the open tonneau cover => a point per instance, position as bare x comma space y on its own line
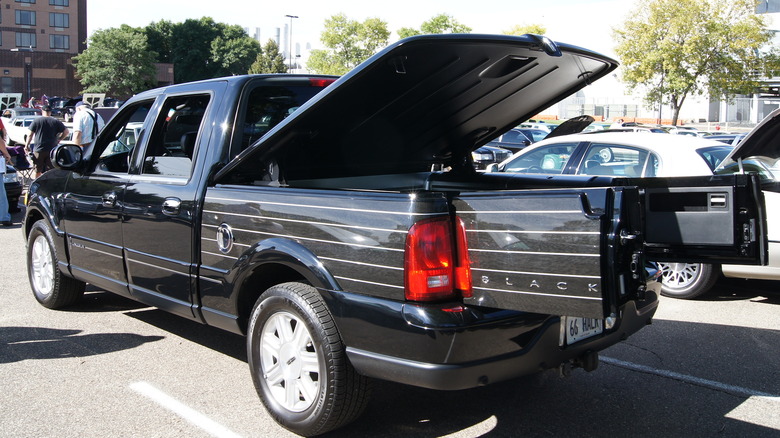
427, 100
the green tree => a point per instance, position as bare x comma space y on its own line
441, 23
269, 60
234, 51
348, 43
673, 49
117, 62
202, 48
518, 29
159, 35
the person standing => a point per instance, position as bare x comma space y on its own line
86, 124
5, 215
46, 132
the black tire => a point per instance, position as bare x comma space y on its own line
687, 280
304, 378
51, 287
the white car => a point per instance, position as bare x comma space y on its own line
19, 128
633, 154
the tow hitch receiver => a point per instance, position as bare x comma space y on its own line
589, 361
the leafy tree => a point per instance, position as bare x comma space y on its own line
518, 29
117, 62
269, 60
348, 43
234, 51
673, 49
441, 23
202, 48
160, 36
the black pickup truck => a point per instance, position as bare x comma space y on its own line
340, 225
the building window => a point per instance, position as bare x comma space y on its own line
24, 39
58, 20
59, 3
26, 18
59, 42
25, 1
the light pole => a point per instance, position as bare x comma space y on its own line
290, 54
27, 68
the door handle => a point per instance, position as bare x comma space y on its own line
171, 206
109, 199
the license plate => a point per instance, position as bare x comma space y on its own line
576, 329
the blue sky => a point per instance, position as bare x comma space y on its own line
586, 23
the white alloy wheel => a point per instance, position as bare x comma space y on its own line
289, 362
687, 280
42, 266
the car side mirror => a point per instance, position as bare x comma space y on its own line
492, 167
67, 157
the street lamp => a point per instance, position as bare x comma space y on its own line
27, 68
290, 42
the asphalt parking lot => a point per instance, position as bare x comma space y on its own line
112, 367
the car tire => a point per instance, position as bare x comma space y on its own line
687, 280
299, 364
51, 287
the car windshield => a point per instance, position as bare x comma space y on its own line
767, 169
714, 155
551, 159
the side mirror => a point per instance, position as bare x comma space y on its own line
492, 167
67, 157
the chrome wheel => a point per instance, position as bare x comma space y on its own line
679, 275
687, 280
42, 266
289, 362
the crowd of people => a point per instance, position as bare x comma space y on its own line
46, 132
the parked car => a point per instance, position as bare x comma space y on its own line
732, 139
513, 140
486, 155
19, 129
534, 134
9, 114
632, 155
759, 154
13, 188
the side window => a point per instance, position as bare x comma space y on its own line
610, 159
171, 145
117, 144
549, 159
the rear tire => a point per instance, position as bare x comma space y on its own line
51, 287
299, 364
687, 280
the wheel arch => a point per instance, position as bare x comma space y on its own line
276, 261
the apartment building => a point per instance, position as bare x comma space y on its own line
38, 38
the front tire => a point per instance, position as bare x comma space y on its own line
51, 287
687, 280
299, 364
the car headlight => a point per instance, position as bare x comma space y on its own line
10, 177
476, 156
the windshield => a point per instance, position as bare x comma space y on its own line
714, 155
765, 168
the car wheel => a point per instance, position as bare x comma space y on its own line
687, 280
299, 364
51, 287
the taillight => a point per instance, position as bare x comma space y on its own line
436, 261
321, 82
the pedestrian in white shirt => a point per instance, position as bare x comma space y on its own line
86, 125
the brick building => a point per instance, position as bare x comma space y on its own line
38, 39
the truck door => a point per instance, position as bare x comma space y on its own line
93, 204
579, 252
161, 200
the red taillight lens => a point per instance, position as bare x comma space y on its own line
318, 82
434, 269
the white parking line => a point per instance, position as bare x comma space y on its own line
738, 390
191, 415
